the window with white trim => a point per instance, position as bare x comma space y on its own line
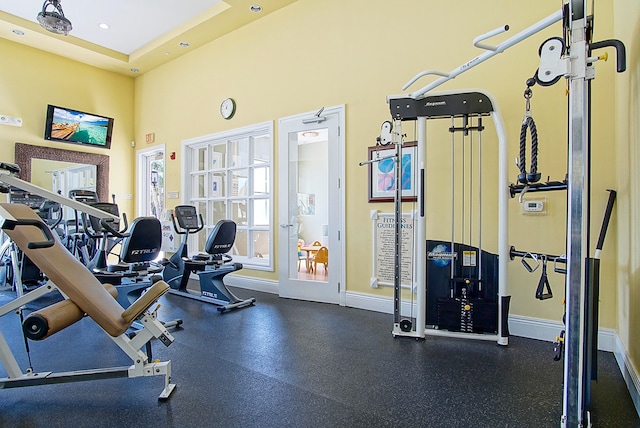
229, 175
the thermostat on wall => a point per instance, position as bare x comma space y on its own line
534, 206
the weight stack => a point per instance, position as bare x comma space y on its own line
467, 315
446, 303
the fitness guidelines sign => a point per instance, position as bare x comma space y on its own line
384, 249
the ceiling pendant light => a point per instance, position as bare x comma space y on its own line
54, 21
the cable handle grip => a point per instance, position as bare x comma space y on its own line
527, 266
621, 52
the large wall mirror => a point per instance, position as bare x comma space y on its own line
25, 153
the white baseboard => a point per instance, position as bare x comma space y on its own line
541, 329
531, 328
256, 284
369, 302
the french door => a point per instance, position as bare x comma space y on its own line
311, 206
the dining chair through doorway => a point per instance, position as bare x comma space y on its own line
322, 257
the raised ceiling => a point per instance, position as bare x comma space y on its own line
142, 34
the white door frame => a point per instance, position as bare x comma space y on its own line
142, 192
337, 218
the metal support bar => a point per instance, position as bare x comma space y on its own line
7, 178
549, 186
573, 409
513, 253
528, 32
49, 378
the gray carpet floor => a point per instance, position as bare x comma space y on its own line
287, 363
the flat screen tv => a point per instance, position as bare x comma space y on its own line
78, 127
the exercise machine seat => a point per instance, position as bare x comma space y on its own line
221, 238
69, 275
211, 267
141, 243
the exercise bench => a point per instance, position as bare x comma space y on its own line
84, 296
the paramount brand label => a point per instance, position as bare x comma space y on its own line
435, 103
441, 255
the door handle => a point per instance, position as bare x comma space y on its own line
286, 225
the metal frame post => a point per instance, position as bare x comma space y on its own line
573, 409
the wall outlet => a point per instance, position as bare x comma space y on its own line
10, 120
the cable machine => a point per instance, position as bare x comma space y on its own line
465, 302
574, 62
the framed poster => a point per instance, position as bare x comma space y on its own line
382, 174
216, 186
216, 160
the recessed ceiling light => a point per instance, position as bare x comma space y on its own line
184, 44
135, 70
18, 32
103, 26
256, 8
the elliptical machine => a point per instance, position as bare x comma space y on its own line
211, 267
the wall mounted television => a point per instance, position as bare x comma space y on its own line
78, 127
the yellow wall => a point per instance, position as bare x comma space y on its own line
627, 137
30, 79
313, 54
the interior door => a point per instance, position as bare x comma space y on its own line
311, 173
150, 201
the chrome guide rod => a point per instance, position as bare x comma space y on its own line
420, 246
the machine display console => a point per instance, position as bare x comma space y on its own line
26, 198
186, 216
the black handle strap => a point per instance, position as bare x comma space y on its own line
544, 289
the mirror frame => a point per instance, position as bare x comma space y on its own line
25, 152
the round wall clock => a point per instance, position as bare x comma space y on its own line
227, 108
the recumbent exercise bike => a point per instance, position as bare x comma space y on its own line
211, 267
